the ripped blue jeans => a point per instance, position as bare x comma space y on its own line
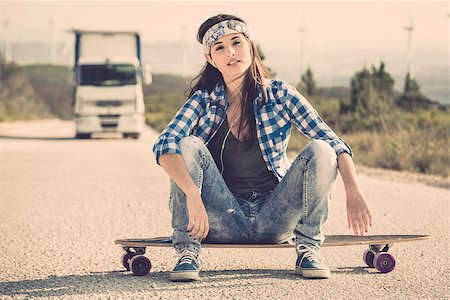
297, 207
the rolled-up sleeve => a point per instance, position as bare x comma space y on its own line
179, 127
308, 121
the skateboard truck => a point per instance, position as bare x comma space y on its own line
134, 260
377, 257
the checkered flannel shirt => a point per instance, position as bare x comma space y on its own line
204, 112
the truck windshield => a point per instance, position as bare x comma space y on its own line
107, 75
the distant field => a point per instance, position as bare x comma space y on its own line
332, 65
399, 140
412, 142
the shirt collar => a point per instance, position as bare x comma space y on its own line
218, 94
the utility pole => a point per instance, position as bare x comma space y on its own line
302, 30
51, 23
184, 50
410, 30
7, 52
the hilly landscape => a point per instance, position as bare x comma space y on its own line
333, 64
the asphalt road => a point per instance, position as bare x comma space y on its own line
65, 201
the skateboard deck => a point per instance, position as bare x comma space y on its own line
376, 256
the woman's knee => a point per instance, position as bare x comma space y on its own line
323, 152
190, 148
323, 161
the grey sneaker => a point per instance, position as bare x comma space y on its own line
309, 263
187, 267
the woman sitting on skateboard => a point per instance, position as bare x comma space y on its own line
225, 152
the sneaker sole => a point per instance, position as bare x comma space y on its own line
184, 276
309, 273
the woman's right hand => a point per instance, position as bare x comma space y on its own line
198, 218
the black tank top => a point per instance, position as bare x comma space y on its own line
244, 167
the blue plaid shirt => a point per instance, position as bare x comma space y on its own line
203, 114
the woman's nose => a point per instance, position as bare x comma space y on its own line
231, 51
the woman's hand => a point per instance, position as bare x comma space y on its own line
198, 218
358, 212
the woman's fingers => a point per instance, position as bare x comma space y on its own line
359, 221
370, 217
358, 224
361, 226
190, 224
355, 226
200, 229
349, 220
366, 222
196, 227
206, 229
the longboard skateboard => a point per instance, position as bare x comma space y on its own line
376, 256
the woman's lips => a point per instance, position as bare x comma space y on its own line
234, 64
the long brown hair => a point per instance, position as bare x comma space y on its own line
254, 77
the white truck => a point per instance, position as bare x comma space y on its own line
108, 83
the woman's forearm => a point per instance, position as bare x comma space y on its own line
347, 171
174, 166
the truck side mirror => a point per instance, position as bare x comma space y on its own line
147, 72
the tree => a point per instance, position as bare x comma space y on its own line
411, 86
412, 98
309, 82
372, 92
18, 99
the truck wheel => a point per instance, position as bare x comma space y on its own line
131, 135
82, 136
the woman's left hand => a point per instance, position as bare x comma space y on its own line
358, 212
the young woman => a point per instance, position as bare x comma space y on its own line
225, 153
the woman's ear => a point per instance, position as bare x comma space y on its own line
210, 61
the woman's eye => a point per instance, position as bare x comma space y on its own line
219, 48
237, 42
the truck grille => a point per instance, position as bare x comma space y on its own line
111, 103
109, 122
109, 126
108, 116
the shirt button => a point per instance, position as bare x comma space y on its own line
281, 133
259, 123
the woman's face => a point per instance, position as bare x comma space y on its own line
230, 55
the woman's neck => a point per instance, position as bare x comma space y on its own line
234, 89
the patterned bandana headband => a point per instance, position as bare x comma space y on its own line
223, 28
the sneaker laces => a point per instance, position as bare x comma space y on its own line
308, 252
187, 257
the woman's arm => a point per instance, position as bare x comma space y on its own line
174, 166
308, 121
358, 212
179, 127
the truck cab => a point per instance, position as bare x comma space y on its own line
108, 89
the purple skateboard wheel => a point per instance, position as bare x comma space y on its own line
368, 257
140, 265
125, 260
384, 262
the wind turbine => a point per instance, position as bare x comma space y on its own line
7, 52
410, 30
302, 30
51, 23
184, 51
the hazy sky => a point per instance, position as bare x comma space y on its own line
341, 36
327, 21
